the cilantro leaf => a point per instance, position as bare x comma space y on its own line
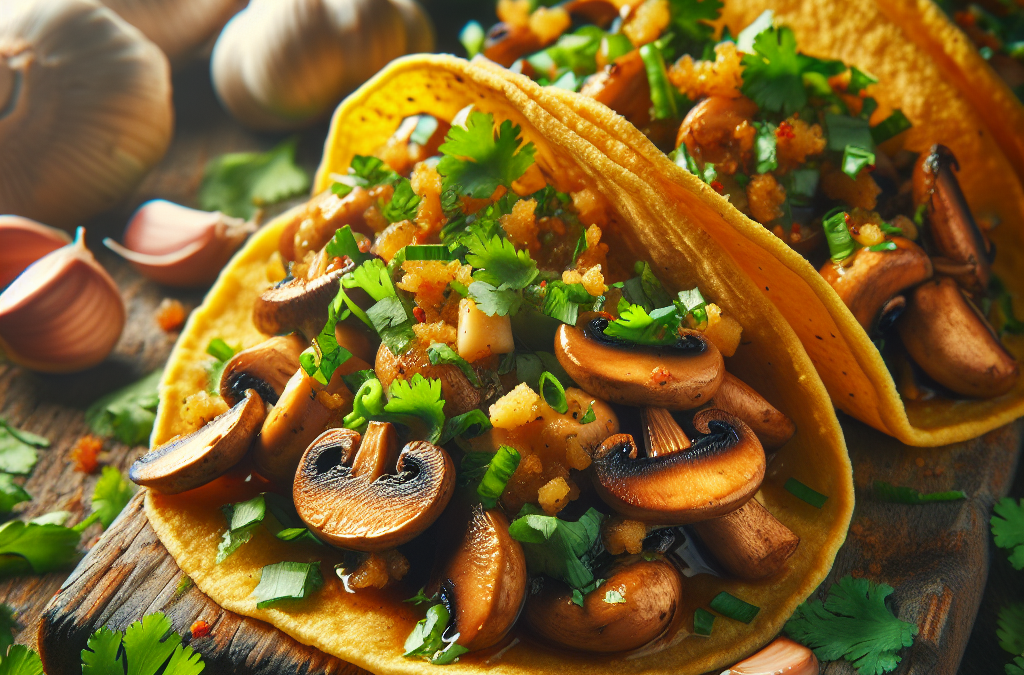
343, 244
365, 172
7, 624
1011, 628
494, 301
439, 352
243, 518
21, 660
112, 493
1008, 528
636, 325
765, 147
854, 624
221, 352
18, 449
240, 182
772, 74
563, 301
403, 203
36, 547
559, 548
689, 23
478, 160
393, 321
418, 397
145, 648
1015, 668
128, 413
285, 581
499, 263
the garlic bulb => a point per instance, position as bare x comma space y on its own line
24, 242
283, 63
179, 246
181, 28
85, 108
63, 314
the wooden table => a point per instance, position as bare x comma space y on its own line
936, 556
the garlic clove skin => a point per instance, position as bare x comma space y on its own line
781, 657
282, 64
85, 109
178, 246
24, 242
62, 314
181, 28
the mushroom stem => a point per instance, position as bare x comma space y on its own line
267, 367
662, 435
750, 542
736, 397
378, 451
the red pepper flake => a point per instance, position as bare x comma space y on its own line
870, 167
543, 283
661, 376
84, 453
785, 130
338, 264
718, 187
170, 315
364, 246
421, 316
199, 629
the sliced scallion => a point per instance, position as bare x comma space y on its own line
287, 581
428, 252
553, 392
884, 246
855, 159
895, 123
589, 416
499, 471
663, 96
703, 621
840, 243
220, 350
801, 491
730, 606
887, 492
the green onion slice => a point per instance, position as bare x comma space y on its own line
499, 471
884, 246
703, 621
895, 123
801, 491
663, 96
855, 159
287, 581
553, 392
887, 492
466, 425
428, 252
840, 243
589, 416
732, 607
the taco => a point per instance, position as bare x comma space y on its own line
868, 213
510, 272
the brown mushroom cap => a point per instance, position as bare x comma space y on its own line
951, 227
483, 583
363, 513
868, 281
623, 87
677, 377
267, 367
297, 305
194, 460
506, 43
652, 591
947, 336
459, 394
738, 398
718, 473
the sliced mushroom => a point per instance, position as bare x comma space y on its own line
459, 394
194, 460
505, 43
947, 336
717, 474
750, 542
677, 377
363, 511
951, 227
870, 279
297, 305
738, 398
782, 656
718, 130
651, 592
483, 583
267, 367
623, 87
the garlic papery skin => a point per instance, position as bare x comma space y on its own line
62, 314
85, 109
781, 657
178, 246
281, 64
181, 28
24, 241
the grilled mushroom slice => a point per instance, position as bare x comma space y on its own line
738, 398
947, 336
652, 592
459, 395
716, 474
506, 43
297, 305
194, 460
870, 281
267, 367
961, 249
677, 377
483, 583
346, 502
750, 542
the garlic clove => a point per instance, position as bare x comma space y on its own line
178, 246
781, 657
419, 31
24, 242
181, 28
62, 314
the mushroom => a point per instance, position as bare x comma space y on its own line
297, 305
267, 367
750, 542
651, 592
960, 246
483, 583
344, 500
948, 337
868, 281
673, 485
188, 462
623, 87
738, 398
678, 377
505, 43
459, 394
718, 130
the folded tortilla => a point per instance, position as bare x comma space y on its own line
368, 628
889, 39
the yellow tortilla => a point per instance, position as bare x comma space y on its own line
369, 628
862, 35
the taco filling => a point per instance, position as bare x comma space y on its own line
799, 145
463, 394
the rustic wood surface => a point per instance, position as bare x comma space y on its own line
935, 556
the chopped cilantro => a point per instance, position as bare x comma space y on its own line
745, 39
11, 494
440, 353
859, 80
1017, 667
844, 131
772, 72
365, 172
38, 546
467, 425
368, 401
693, 302
765, 147
1007, 525
562, 301
421, 598
403, 203
499, 264
128, 413
18, 449
324, 355
240, 182
418, 397
478, 160
242, 517
1011, 628
589, 416
286, 581
112, 493
558, 548
854, 624
895, 123
343, 244
856, 158
393, 321
21, 660
8, 623
689, 23
495, 301
144, 648
636, 325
